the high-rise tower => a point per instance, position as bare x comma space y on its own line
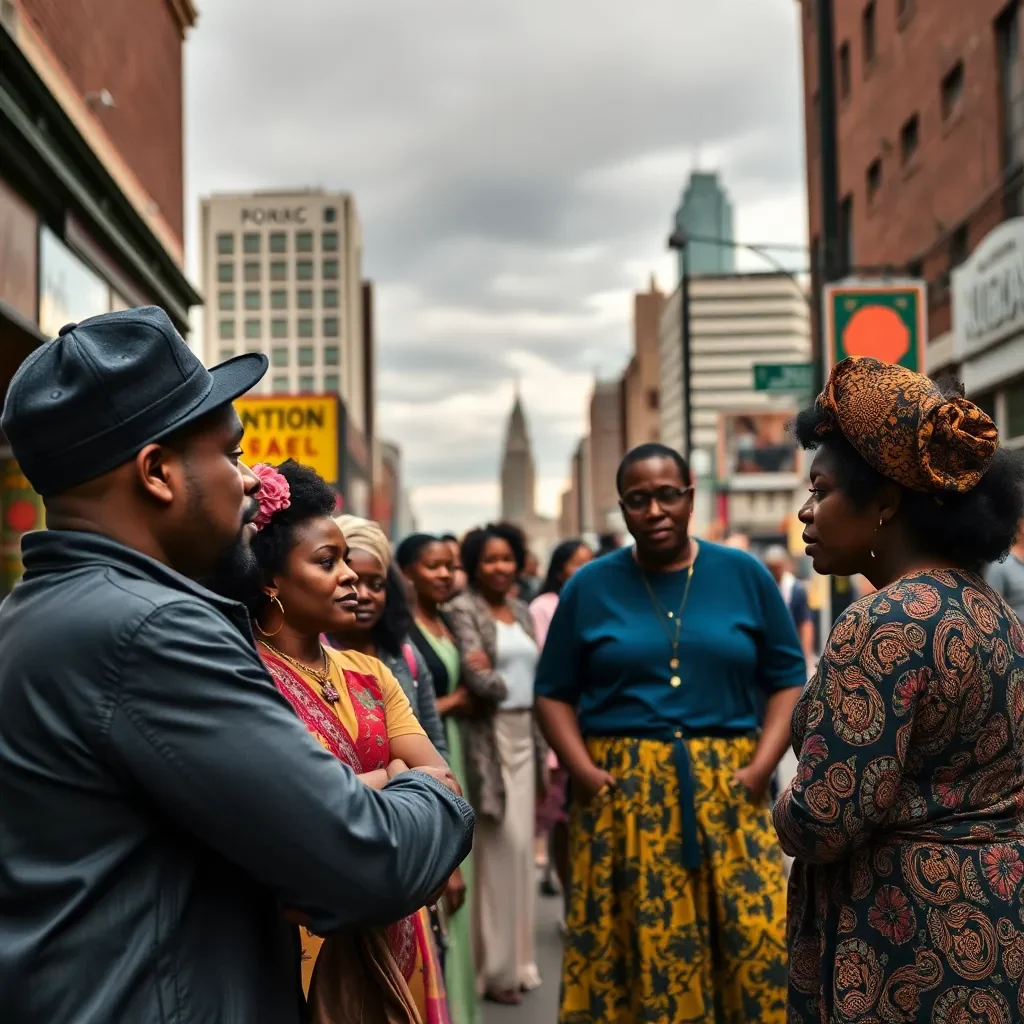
705, 211
518, 481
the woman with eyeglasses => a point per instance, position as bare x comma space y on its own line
665, 686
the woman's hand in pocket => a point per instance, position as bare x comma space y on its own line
755, 781
455, 892
595, 781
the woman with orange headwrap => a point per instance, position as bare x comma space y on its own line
905, 813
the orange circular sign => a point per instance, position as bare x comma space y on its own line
877, 331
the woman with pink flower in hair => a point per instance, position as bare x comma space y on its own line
356, 708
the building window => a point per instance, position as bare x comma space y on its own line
224, 354
330, 327
652, 399
1015, 410
280, 383
867, 30
279, 328
305, 326
278, 270
304, 298
329, 241
330, 214
330, 298
253, 299
330, 271
909, 140
331, 355
332, 382
254, 329
307, 383
226, 330
226, 301
952, 90
958, 246
304, 270
251, 243
279, 356
874, 179
844, 71
846, 247
305, 355
986, 403
278, 242
303, 241
279, 298
1011, 83
225, 273
252, 273
225, 244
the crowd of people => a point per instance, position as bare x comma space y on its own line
278, 769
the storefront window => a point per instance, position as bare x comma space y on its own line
69, 290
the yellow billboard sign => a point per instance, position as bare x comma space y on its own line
299, 427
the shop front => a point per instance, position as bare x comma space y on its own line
988, 327
71, 246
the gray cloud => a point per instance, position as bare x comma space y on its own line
516, 167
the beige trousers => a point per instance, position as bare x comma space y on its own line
507, 883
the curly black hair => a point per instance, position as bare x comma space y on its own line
311, 498
408, 552
970, 530
553, 581
475, 541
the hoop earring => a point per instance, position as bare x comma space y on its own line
877, 528
280, 607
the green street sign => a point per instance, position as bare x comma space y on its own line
884, 319
784, 378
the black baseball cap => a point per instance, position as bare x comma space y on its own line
95, 396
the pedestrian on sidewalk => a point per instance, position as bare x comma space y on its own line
665, 686
161, 802
905, 813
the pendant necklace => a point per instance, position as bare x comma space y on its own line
322, 675
675, 618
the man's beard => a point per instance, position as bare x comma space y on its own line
237, 576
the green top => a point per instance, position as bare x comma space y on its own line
448, 653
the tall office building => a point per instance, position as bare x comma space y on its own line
705, 211
518, 484
282, 274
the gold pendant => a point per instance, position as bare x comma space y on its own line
674, 663
670, 615
675, 681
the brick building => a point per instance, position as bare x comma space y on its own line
641, 382
91, 194
930, 125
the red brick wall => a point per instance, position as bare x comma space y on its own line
134, 49
958, 161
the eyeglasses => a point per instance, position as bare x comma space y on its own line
666, 497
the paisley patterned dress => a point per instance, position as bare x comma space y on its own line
905, 816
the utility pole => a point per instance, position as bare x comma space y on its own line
679, 242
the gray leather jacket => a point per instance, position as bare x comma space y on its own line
160, 803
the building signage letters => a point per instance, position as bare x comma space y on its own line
286, 217
279, 427
988, 291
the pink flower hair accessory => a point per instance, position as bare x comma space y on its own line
274, 494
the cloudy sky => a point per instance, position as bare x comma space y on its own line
516, 166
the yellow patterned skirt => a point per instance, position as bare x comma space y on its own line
649, 940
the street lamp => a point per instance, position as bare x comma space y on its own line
679, 242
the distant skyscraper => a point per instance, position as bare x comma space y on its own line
518, 482
705, 211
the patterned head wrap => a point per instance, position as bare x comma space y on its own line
904, 427
367, 536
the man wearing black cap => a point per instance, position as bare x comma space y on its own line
160, 804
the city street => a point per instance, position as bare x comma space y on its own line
540, 1007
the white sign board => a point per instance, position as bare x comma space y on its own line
988, 291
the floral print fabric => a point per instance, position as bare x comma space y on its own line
650, 941
906, 428
905, 812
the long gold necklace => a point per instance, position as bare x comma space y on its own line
321, 675
675, 617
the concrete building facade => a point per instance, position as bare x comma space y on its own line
642, 379
607, 446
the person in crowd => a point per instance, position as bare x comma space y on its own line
458, 573
607, 543
904, 815
552, 829
1006, 576
738, 540
160, 801
353, 705
794, 593
666, 684
428, 567
382, 627
529, 579
506, 759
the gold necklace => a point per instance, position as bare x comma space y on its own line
677, 616
321, 675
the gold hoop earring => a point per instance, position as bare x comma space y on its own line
280, 607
